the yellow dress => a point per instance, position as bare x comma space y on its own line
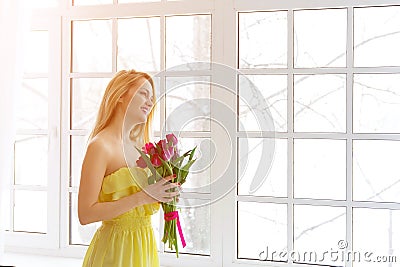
128, 239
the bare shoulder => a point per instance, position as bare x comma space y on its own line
97, 157
93, 169
99, 145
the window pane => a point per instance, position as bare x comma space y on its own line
263, 40
91, 46
145, 54
36, 56
320, 103
78, 149
194, 218
319, 168
79, 234
376, 103
32, 104
31, 160
198, 179
90, 2
30, 211
321, 44
376, 170
376, 36
318, 229
376, 231
188, 39
188, 103
86, 94
261, 226
251, 155
273, 89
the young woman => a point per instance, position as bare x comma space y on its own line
114, 193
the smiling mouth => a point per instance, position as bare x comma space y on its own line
145, 110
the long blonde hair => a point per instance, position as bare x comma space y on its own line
117, 87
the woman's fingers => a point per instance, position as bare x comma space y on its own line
164, 190
167, 179
169, 186
169, 196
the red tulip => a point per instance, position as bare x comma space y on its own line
162, 144
155, 160
149, 149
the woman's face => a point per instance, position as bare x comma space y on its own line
141, 102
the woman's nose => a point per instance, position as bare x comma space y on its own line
149, 102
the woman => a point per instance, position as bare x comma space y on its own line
114, 193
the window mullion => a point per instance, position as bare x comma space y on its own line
54, 73
290, 123
349, 129
65, 133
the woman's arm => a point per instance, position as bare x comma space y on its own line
93, 171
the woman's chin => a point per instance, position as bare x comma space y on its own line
144, 119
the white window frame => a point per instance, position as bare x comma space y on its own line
48, 240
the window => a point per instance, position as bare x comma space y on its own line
324, 71
102, 45
293, 106
33, 218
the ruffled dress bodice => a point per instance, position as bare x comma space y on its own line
128, 239
124, 182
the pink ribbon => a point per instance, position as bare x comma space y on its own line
174, 215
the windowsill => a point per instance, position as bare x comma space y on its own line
29, 260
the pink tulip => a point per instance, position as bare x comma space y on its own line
141, 163
165, 149
171, 138
167, 153
175, 154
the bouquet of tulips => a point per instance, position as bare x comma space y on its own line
163, 159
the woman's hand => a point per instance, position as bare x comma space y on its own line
157, 192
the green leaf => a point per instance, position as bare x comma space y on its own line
166, 166
188, 165
178, 161
192, 153
184, 171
